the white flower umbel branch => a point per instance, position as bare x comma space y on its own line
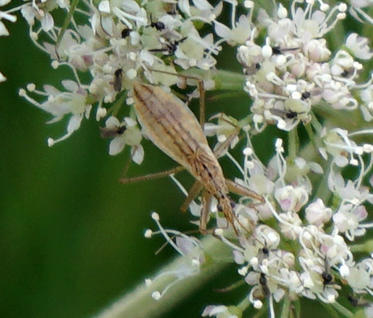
144, 301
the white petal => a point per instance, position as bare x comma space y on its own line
112, 122
70, 85
222, 30
2, 77
4, 2
130, 122
107, 24
28, 14
3, 30
202, 5
184, 6
137, 154
74, 123
7, 16
130, 6
47, 22
116, 146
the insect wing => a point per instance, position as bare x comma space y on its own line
171, 126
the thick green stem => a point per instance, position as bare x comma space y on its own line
66, 22
244, 304
342, 310
139, 303
285, 313
293, 145
225, 80
366, 247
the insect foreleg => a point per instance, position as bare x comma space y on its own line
151, 176
243, 191
205, 212
192, 194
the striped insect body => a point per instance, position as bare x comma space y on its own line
174, 129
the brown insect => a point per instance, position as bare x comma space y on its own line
174, 129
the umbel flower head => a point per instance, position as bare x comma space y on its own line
299, 241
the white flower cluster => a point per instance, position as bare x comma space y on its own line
298, 244
294, 71
293, 246
119, 42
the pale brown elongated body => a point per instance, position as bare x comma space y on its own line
174, 129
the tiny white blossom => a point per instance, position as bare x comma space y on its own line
359, 46
317, 213
348, 219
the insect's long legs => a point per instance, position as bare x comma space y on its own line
151, 176
205, 212
193, 192
242, 190
202, 105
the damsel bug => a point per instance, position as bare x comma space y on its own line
174, 129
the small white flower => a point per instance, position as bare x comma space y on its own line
361, 275
124, 133
348, 219
317, 214
359, 46
290, 198
71, 102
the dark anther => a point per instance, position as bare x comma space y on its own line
327, 278
121, 130
265, 250
276, 50
125, 33
290, 114
170, 47
306, 95
158, 25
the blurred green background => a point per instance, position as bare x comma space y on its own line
71, 237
